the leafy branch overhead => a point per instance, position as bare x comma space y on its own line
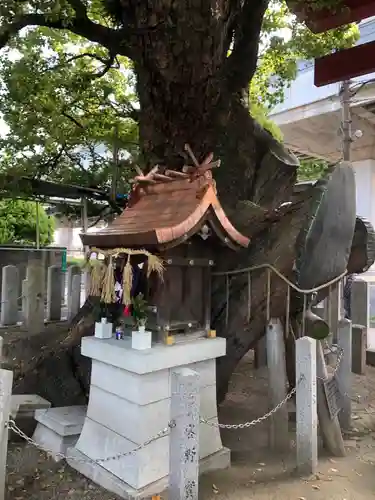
78, 100
18, 223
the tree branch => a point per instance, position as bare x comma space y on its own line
241, 64
79, 8
80, 25
75, 159
72, 119
85, 54
128, 112
107, 66
46, 167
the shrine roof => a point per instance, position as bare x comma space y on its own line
165, 209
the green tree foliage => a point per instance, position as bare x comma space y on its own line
310, 170
70, 112
69, 101
18, 220
260, 113
284, 42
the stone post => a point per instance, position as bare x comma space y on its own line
86, 283
74, 296
6, 380
24, 300
9, 295
360, 303
54, 296
72, 271
2, 357
35, 298
306, 406
277, 384
359, 348
344, 371
184, 437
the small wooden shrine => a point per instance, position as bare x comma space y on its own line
173, 225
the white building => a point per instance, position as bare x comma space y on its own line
67, 234
310, 120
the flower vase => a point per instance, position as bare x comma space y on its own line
103, 329
141, 338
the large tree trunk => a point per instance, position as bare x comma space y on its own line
184, 100
191, 92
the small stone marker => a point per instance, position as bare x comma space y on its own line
277, 384
344, 371
9, 295
72, 271
35, 298
6, 380
184, 437
74, 296
359, 348
306, 406
25, 291
54, 295
86, 283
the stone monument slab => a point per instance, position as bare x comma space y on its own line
9, 295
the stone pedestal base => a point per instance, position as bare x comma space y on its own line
59, 428
130, 403
107, 480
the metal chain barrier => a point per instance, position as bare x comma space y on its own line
340, 354
12, 426
257, 420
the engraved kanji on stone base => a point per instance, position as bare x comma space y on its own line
184, 439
